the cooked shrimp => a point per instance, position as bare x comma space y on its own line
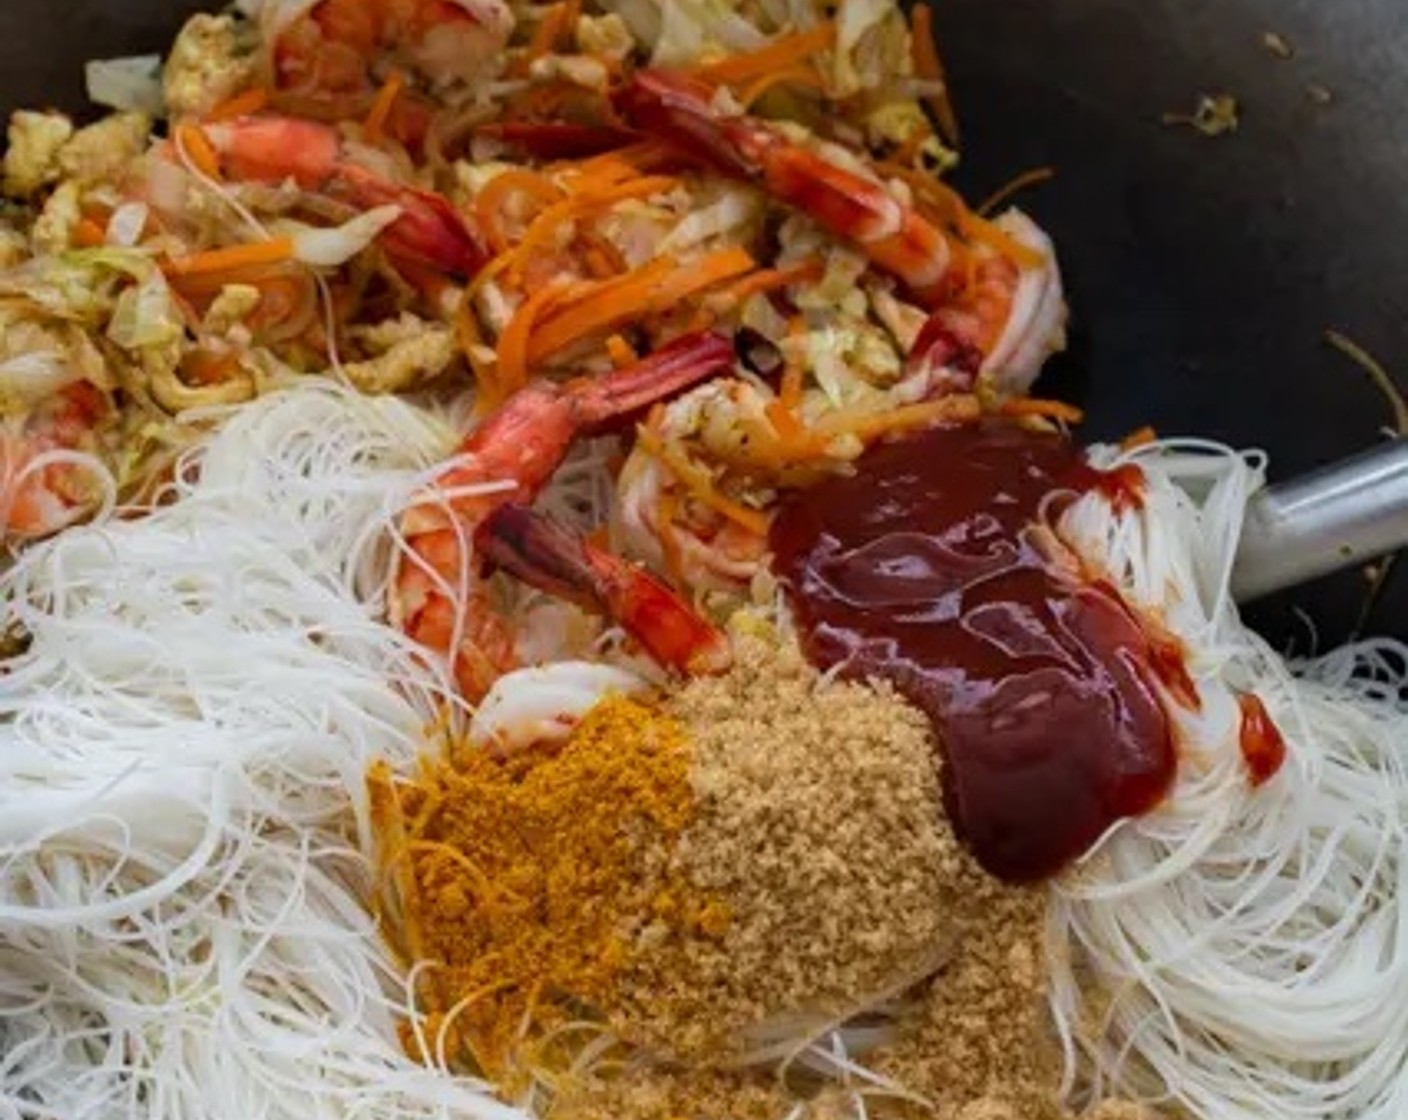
520, 446
544, 554
1000, 300
341, 47
44, 486
273, 149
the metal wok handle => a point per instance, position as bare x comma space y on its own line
1345, 514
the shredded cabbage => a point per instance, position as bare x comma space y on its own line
328, 248
128, 84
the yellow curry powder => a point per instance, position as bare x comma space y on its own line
524, 880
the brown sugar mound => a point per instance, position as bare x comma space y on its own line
816, 829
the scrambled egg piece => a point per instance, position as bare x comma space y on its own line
230, 308
101, 152
32, 159
605, 36
53, 229
210, 62
412, 352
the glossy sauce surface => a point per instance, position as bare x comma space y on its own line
923, 569
1263, 747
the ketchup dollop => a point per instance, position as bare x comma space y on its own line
924, 568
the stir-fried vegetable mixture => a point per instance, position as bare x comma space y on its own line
478, 195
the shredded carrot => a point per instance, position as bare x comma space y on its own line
198, 148
1140, 437
700, 485
88, 234
783, 52
929, 66
669, 540
380, 112
274, 251
602, 256
785, 423
515, 343
204, 366
601, 305
1016, 186
621, 352
557, 21
938, 201
869, 426
658, 286
489, 395
543, 228
1059, 411
1024, 256
244, 104
488, 206
690, 279
770, 279
634, 159
908, 152
800, 75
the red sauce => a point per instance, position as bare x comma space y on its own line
1123, 486
1263, 748
922, 568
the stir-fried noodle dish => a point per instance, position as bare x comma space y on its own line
535, 584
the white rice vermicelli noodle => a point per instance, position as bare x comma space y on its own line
183, 748
1242, 951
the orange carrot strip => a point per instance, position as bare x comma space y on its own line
907, 152
796, 75
980, 229
1016, 186
274, 251
770, 279
599, 306
485, 373
905, 418
1140, 437
488, 206
621, 352
88, 234
657, 286
380, 112
700, 486
244, 104
543, 227
1051, 410
199, 150
514, 349
784, 51
210, 367
929, 66
557, 21
693, 278
784, 421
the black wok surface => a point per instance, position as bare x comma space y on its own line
1202, 271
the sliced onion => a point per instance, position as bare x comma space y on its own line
328, 248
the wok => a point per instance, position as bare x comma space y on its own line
1202, 271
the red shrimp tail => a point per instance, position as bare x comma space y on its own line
623, 393
429, 231
547, 555
942, 351
679, 109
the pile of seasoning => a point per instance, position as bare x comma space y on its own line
627, 923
